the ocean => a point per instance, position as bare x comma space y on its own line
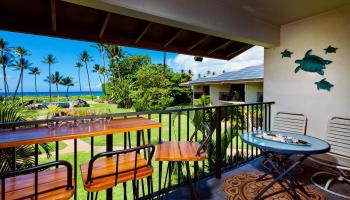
83, 93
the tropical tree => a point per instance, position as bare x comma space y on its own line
114, 54
21, 64
102, 50
104, 72
79, 66
85, 58
213, 73
35, 71
208, 72
5, 61
68, 82
12, 112
97, 69
49, 59
56, 79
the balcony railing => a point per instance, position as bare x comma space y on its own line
227, 122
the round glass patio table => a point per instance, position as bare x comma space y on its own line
280, 171
316, 145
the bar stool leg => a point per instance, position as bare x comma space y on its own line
160, 179
188, 172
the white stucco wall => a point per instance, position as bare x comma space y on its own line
251, 90
297, 92
215, 90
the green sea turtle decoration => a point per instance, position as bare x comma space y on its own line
312, 63
286, 53
330, 49
324, 85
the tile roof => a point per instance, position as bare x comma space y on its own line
253, 72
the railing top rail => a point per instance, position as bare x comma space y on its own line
6, 125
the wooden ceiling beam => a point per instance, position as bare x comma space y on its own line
53, 15
104, 25
220, 47
173, 38
143, 33
239, 50
197, 43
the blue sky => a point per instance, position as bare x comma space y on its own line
67, 52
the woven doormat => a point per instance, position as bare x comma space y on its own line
244, 187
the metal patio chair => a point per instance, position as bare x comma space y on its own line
337, 161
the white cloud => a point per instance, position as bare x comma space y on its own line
252, 57
94, 87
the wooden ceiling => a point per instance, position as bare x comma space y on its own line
66, 20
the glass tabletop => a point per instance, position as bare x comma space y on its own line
316, 146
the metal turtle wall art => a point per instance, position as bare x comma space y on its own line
286, 53
330, 49
324, 85
312, 63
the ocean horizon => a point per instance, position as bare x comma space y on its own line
71, 94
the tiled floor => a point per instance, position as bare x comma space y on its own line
211, 188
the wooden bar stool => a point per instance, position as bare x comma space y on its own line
184, 151
34, 183
106, 170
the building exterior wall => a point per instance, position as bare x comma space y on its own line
296, 92
251, 91
214, 92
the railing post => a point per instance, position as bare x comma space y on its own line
109, 147
218, 143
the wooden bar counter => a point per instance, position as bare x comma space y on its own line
12, 138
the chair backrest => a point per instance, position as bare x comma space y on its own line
147, 150
338, 136
290, 122
207, 133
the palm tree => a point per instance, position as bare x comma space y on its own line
85, 57
56, 79
5, 60
21, 64
102, 50
114, 54
208, 72
68, 82
79, 66
49, 59
97, 69
104, 72
35, 71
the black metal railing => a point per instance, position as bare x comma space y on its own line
226, 151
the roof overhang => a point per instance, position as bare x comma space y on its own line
78, 22
256, 80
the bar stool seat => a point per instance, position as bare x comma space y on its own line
179, 151
104, 171
52, 184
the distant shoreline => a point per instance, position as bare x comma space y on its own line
71, 94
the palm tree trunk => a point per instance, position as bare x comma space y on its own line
4, 76
79, 81
58, 94
99, 77
87, 71
22, 89
19, 81
49, 81
67, 93
36, 89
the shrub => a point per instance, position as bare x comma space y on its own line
151, 99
